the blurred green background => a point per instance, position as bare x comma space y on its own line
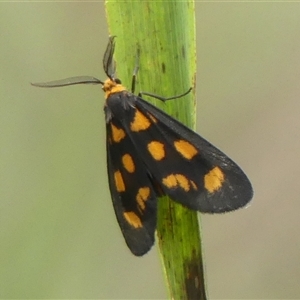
59, 237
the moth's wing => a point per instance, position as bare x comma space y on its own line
192, 171
132, 192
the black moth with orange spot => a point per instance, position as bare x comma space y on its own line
150, 154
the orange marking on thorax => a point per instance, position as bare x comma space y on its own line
111, 87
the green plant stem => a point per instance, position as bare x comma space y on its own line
164, 31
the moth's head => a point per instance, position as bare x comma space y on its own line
112, 86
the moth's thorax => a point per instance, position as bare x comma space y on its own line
111, 87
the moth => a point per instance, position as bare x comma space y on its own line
150, 154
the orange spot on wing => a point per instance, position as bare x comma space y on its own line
142, 196
183, 182
186, 149
178, 180
128, 163
157, 150
133, 219
214, 179
120, 186
170, 181
117, 133
140, 122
